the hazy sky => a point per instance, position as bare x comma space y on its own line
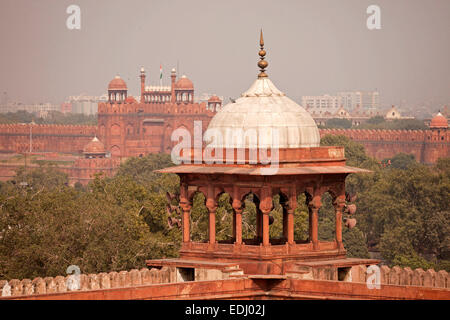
313, 47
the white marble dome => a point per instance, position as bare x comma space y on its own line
263, 110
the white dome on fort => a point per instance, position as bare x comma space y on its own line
267, 112
264, 108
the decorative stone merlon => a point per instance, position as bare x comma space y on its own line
103, 281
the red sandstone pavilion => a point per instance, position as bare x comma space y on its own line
259, 268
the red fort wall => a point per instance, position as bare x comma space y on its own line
15, 138
135, 129
426, 145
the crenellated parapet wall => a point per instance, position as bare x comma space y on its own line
403, 276
86, 282
426, 145
397, 283
102, 281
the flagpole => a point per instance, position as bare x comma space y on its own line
160, 75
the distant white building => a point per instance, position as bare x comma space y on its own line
87, 105
394, 114
325, 104
366, 99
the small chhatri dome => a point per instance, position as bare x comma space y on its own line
264, 109
214, 98
117, 84
95, 146
439, 121
184, 83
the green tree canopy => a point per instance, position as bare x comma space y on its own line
339, 123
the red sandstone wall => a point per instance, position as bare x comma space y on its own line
15, 138
7, 171
426, 145
135, 129
58, 284
161, 284
141, 128
84, 170
405, 276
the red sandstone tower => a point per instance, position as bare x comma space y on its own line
438, 139
94, 162
130, 128
117, 90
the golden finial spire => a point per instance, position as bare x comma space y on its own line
262, 64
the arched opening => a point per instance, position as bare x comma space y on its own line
251, 219
115, 130
278, 219
115, 151
224, 218
327, 218
301, 219
199, 218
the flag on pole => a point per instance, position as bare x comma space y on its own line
160, 74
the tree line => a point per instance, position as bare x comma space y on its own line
53, 117
117, 223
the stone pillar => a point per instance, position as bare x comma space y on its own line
237, 207
142, 85
266, 207
266, 239
309, 222
285, 218
186, 208
314, 206
234, 225
258, 224
339, 204
212, 207
290, 214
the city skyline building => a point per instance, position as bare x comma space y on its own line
366, 99
85, 104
